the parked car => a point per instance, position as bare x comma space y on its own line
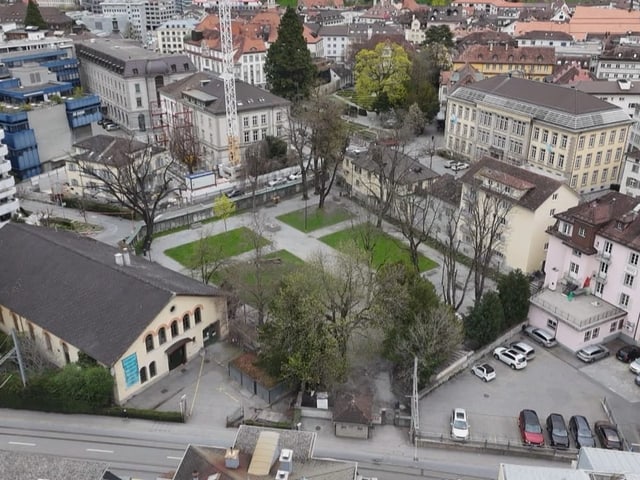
459, 424
581, 432
295, 175
530, 428
236, 192
111, 126
558, 435
459, 166
591, 353
608, 435
450, 163
525, 349
635, 366
276, 181
512, 358
628, 353
540, 335
484, 371
637, 380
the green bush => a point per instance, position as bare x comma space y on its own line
93, 206
157, 415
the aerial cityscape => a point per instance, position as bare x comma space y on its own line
319, 239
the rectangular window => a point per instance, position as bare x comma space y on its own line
621, 136
574, 181
587, 335
245, 122
585, 179
605, 173
552, 158
536, 133
137, 87
554, 139
618, 153
599, 288
560, 161
592, 140
545, 136
256, 135
534, 151
552, 212
566, 228
603, 137
594, 177
254, 120
502, 123
574, 268
595, 333
613, 326
563, 141
587, 160
543, 153
582, 232
578, 162
614, 174
263, 119
608, 246
607, 157
552, 324
598, 158
612, 137
633, 258
247, 136
628, 280
581, 142
624, 300
139, 102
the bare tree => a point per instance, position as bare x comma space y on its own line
450, 280
416, 215
184, 144
254, 160
207, 259
299, 141
484, 224
139, 176
329, 138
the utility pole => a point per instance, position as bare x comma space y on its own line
415, 414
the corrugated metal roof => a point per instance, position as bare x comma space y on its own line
528, 472
609, 461
265, 454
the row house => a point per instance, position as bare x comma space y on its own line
621, 93
197, 102
339, 40
630, 181
558, 131
620, 62
590, 289
170, 35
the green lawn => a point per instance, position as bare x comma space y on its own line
232, 243
287, 3
316, 218
386, 248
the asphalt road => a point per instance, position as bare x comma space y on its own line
150, 449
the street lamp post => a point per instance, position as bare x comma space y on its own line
432, 151
305, 213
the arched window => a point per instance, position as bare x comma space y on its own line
162, 336
143, 374
152, 369
174, 329
148, 341
186, 322
197, 314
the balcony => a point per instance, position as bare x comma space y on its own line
601, 277
5, 166
604, 256
9, 207
7, 184
580, 312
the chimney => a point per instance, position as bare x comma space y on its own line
195, 475
119, 259
126, 257
232, 458
286, 460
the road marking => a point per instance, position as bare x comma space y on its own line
97, 450
174, 458
23, 443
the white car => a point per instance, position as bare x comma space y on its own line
459, 424
295, 175
484, 371
512, 358
276, 181
459, 166
450, 163
635, 366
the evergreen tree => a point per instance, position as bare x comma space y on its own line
288, 66
485, 321
33, 18
514, 291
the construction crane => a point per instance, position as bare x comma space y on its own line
231, 107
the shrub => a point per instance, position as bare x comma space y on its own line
142, 414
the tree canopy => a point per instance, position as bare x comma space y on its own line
485, 321
514, 291
289, 69
382, 75
33, 17
439, 34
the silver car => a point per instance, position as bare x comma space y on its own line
591, 353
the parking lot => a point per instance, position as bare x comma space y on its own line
554, 382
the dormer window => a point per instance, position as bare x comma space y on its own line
566, 228
619, 225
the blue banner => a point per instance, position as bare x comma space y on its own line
131, 372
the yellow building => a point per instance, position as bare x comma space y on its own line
533, 63
562, 132
71, 294
515, 206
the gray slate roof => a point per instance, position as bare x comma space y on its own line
28, 466
407, 170
108, 150
71, 286
545, 102
248, 96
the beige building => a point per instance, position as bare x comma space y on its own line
569, 134
71, 294
103, 153
524, 203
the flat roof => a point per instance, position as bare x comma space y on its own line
611, 461
265, 454
16, 465
529, 472
580, 311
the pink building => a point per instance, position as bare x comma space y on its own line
590, 289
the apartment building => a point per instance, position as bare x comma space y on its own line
621, 93
533, 63
8, 201
591, 284
171, 35
128, 78
554, 130
198, 102
522, 201
630, 181
620, 62
145, 16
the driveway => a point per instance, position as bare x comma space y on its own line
549, 384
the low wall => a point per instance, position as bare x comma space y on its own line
468, 360
310, 412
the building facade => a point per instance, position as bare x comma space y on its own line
128, 78
591, 283
171, 35
8, 201
145, 16
564, 133
197, 103
175, 316
621, 93
514, 206
621, 62
630, 181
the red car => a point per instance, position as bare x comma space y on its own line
530, 428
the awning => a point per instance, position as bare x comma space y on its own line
177, 345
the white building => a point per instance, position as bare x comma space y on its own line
621, 93
145, 16
197, 102
620, 62
8, 201
128, 78
630, 181
170, 35
415, 34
